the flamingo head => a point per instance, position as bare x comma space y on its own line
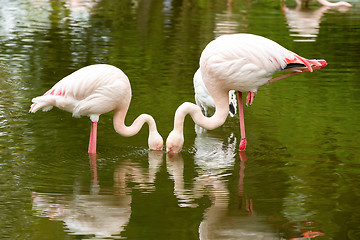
303, 64
155, 141
174, 142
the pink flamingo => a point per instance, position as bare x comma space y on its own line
241, 62
92, 91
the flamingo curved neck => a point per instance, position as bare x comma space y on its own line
123, 130
194, 111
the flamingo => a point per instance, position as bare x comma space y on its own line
241, 62
203, 98
92, 91
327, 3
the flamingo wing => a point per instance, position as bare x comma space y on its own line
89, 91
245, 62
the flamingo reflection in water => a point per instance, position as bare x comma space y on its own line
302, 230
97, 214
75, 6
219, 221
325, 3
106, 216
304, 22
215, 159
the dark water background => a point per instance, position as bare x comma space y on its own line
298, 179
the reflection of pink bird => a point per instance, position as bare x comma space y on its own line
243, 62
92, 91
327, 3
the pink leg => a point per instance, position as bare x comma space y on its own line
250, 98
92, 140
242, 145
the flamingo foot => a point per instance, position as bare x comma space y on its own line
242, 145
250, 98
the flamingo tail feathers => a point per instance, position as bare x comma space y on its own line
46, 102
45, 106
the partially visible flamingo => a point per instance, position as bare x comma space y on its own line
327, 3
241, 62
203, 98
92, 91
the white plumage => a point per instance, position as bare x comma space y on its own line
92, 91
241, 62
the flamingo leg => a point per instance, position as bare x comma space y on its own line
242, 145
92, 140
250, 98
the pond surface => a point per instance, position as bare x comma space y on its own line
298, 179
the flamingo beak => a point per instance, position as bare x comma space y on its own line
319, 64
300, 67
170, 150
323, 63
304, 65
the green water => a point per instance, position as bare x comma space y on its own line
301, 171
